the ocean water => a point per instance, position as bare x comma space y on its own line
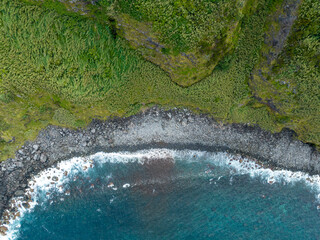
166, 194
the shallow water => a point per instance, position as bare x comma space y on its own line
164, 194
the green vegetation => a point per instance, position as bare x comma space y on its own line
292, 81
185, 25
185, 38
60, 68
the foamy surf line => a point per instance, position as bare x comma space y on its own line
54, 180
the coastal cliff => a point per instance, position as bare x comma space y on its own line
251, 82
67, 62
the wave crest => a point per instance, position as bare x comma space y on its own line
157, 162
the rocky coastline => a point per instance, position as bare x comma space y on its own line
154, 128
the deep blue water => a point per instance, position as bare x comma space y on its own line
169, 199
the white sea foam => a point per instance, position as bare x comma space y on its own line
41, 186
51, 180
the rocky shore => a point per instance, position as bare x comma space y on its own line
154, 128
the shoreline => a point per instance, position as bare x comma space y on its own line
154, 128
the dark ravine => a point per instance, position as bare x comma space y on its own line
154, 128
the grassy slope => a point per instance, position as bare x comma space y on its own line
185, 38
185, 25
293, 80
58, 69
300, 66
189, 37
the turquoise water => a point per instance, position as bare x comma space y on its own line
181, 196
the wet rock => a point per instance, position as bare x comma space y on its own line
3, 230
55, 178
26, 205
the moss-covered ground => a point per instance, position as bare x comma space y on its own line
57, 67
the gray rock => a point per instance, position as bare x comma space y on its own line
35, 147
36, 157
43, 158
184, 123
19, 164
19, 193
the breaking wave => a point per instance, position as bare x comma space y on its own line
55, 184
